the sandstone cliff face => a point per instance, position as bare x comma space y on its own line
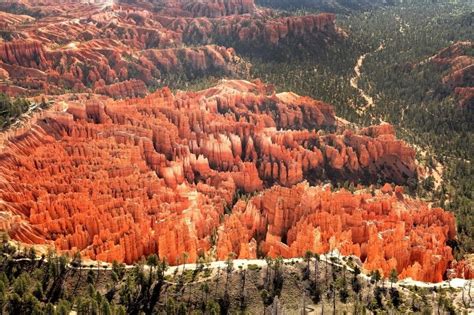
8, 21
464, 268
251, 32
109, 70
209, 8
194, 8
194, 61
118, 180
460, 73
125, 89
148, 41
387, 231
28, 54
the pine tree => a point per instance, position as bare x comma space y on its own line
393, 277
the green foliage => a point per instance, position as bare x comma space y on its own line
336, 6
393, 276
91, 277
21, 285
213, 308
395, 298
407, 90
118, 270
375, 276
145, 290
253, 267
64, 308
409, 94
11, 109
323, 74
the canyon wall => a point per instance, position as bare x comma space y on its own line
105, 47
386, 230
117, 172
118, 180
458, 62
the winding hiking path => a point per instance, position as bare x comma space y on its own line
333, 258
369, 101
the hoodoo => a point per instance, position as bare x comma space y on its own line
236, 156
118, 180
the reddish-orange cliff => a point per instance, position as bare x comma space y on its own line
247, 31
104, 46
9, 21
116, 173
460, 71
112, 70
208, 8
386, 230
117, 180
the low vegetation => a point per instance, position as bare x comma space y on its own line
49, 284
407, 92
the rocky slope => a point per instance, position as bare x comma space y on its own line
198, 8
385, 230
105, 45
116, 173
8, 21
335, 6
117, 180
457, 61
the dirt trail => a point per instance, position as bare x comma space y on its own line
437, 171
355, 81
334, 258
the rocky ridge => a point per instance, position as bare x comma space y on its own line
118, 180
458, 60
107, 44
385, 229
236, 168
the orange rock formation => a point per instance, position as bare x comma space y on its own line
117, 180
161, 172
104, 49
386, 230
460, 72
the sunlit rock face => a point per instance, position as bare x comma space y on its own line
100, 46
116, 172
460, 71
118, 180
107, 70
386, 229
